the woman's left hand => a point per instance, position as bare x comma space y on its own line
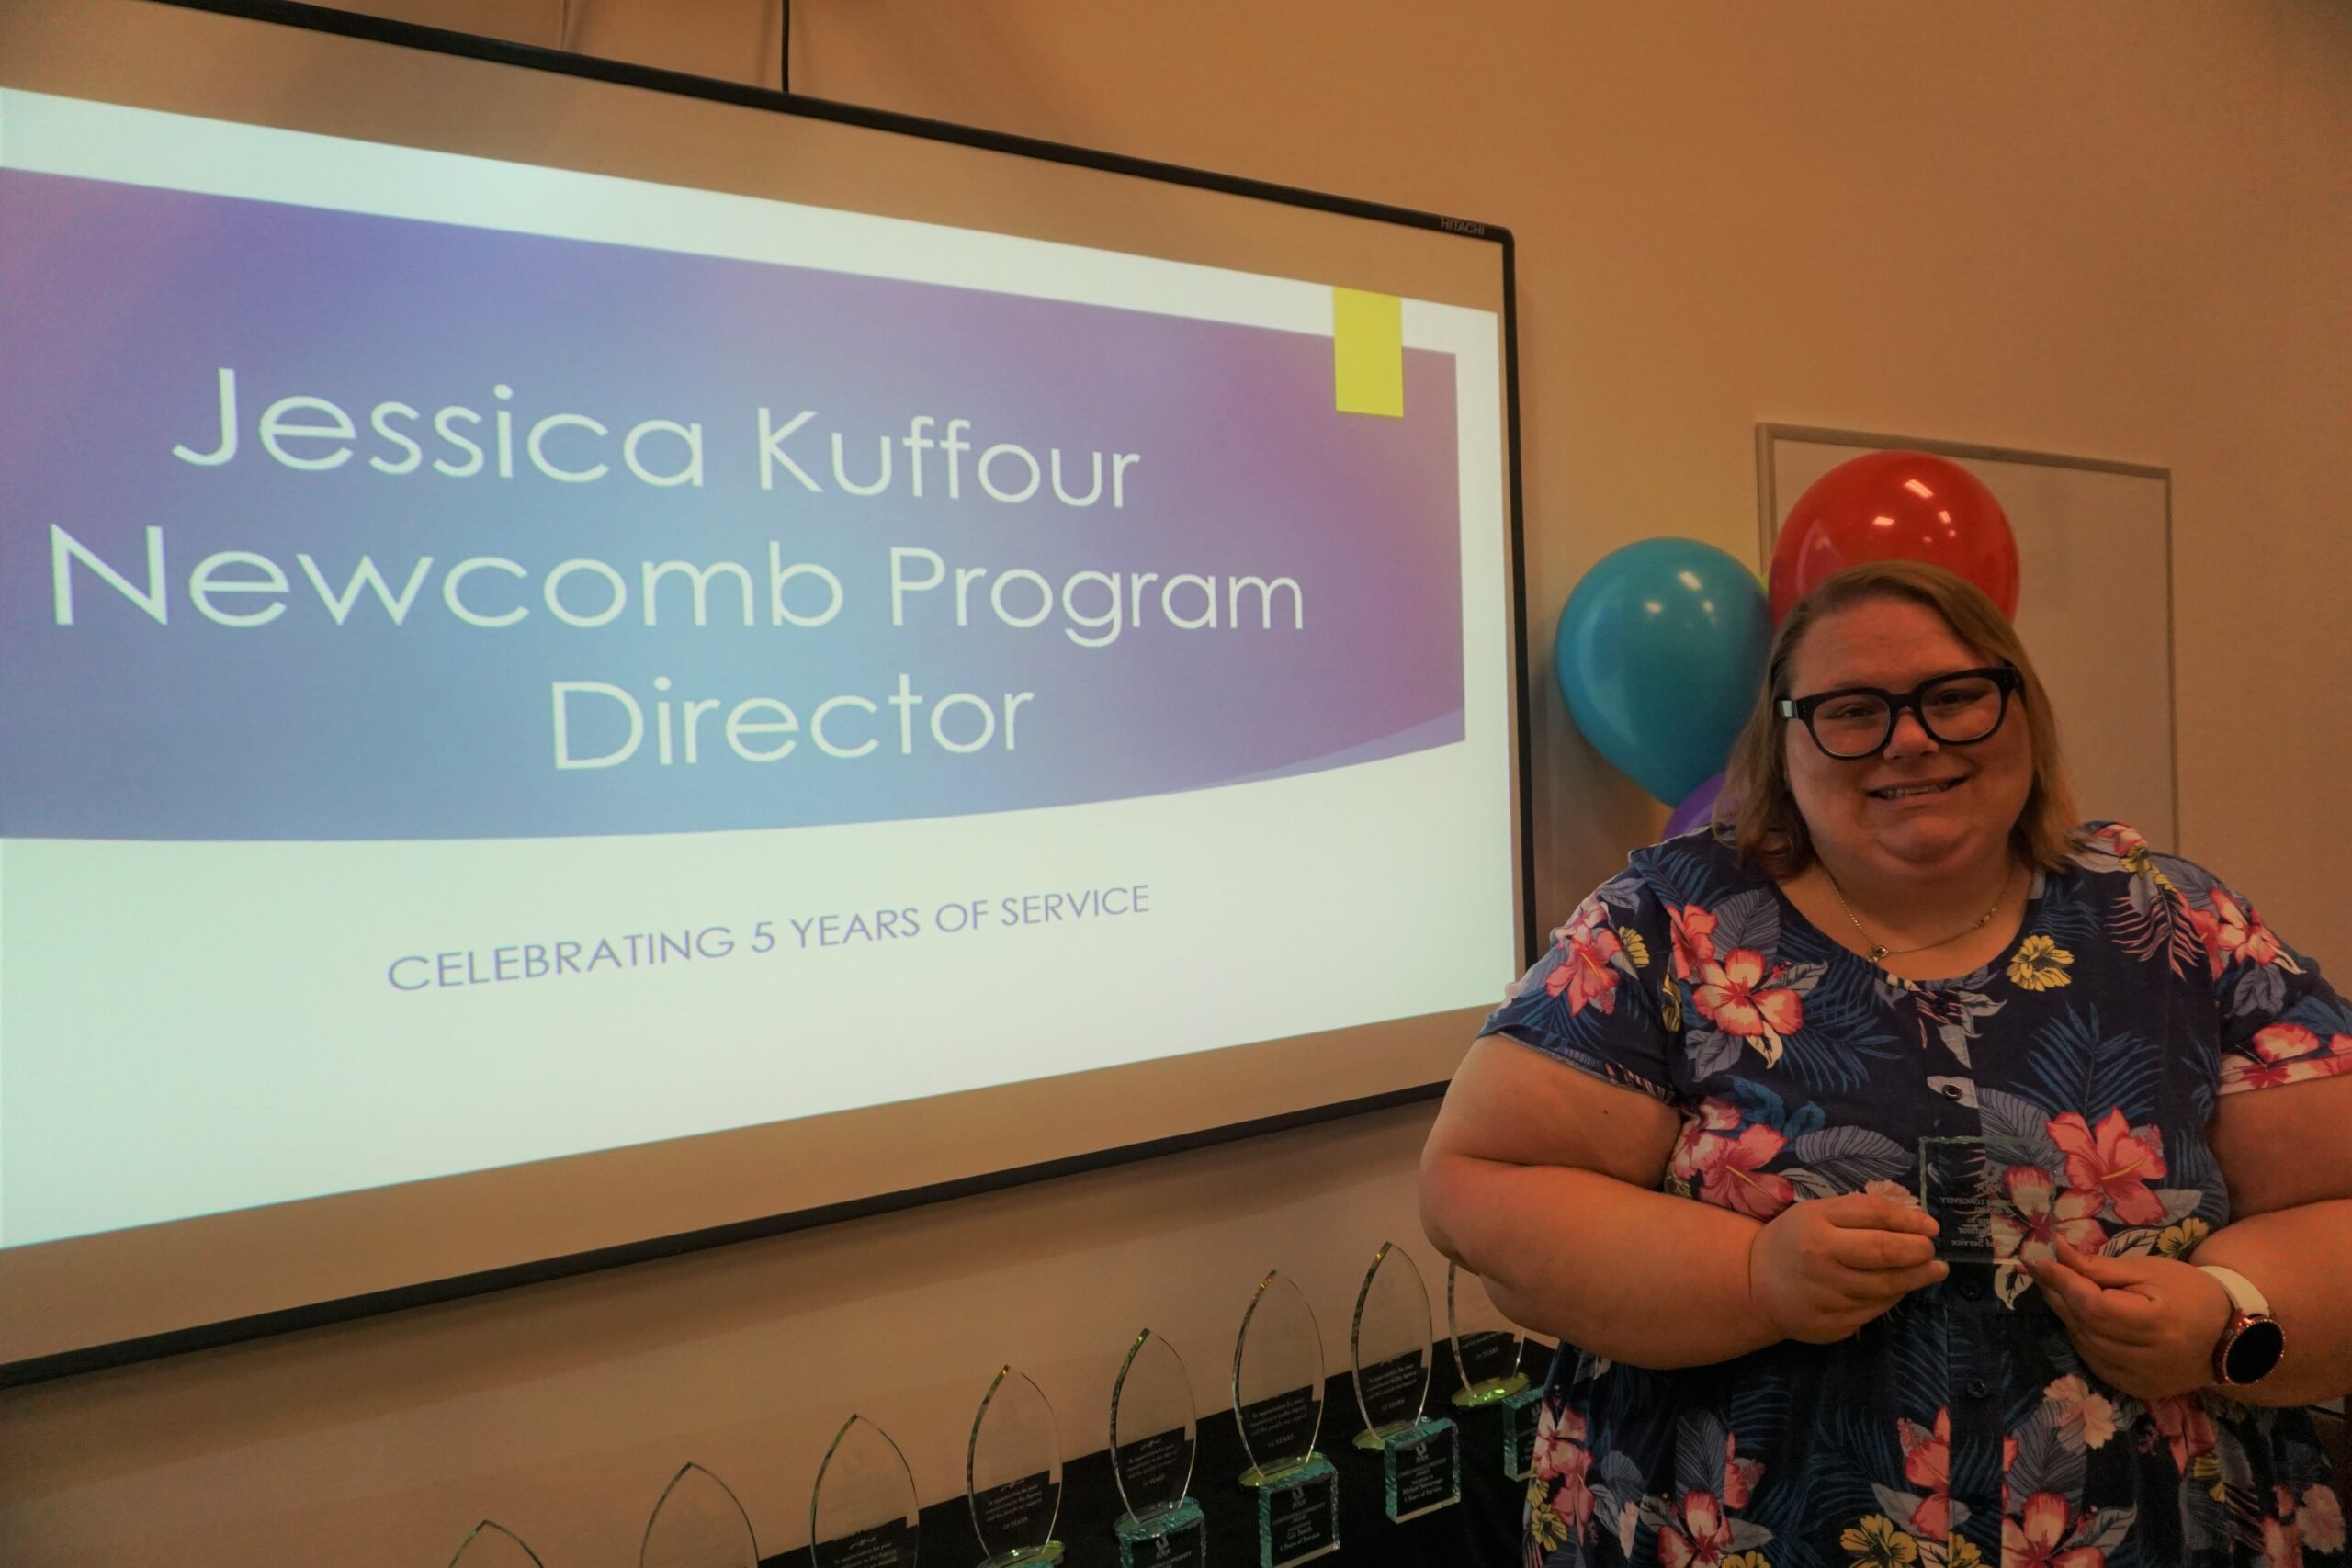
2147, 1325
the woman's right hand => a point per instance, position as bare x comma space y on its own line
1824, 1267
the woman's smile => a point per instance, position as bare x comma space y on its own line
1916, 793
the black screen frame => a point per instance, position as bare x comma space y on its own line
317, 1315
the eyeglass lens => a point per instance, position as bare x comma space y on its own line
1955, 711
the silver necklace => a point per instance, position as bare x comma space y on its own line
1879, 952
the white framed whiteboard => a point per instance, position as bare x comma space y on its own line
2094, 602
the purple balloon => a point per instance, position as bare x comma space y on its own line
1698, 808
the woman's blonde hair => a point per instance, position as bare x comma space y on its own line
1765, 827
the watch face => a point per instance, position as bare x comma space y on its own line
2255, 1350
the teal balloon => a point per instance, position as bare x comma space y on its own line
1660, 651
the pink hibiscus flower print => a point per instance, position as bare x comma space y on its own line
1586, 973
2040, 1215
2092, 1415
1730, 1172
2115, 1161
2120, 841
2281, 1547
1926, 1464
2233, 933
2184, 1426
2030, 1540
1704, 1536
1572, 1497
2275, 1052
2285, 1042
1694, 939
1590, 916
1714, 1116
1558, 1431
2288, 1052
1740, 1475
1739, 997
2321, 1520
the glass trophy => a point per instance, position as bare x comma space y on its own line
697, 1523
861, 1512
1488, 1353
1389, 1350
1964, 1185
1152, 1445
491, 1545
1012, 1473
1278, 1405
1486, 1345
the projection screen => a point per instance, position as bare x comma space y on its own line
596, 662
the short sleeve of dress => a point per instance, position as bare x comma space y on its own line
1601, 999
2281, 1021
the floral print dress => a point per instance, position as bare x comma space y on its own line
1961, 1429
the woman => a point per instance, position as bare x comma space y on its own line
1765, 1360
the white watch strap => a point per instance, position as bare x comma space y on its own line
2243, 1295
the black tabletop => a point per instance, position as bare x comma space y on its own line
1482, 1529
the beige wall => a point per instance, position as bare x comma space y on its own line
2106, 229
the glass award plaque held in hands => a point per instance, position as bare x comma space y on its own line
1152, 1445
1012, 1473
1388, 1351
491, 1545
697, 1523
861, 1512
1278, 1405
1488, 1352
1971, 1186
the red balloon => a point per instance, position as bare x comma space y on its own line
1895, 506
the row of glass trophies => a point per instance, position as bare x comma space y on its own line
864, 1511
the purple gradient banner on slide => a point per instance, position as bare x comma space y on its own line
449, 590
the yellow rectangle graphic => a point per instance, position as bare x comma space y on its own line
1368, 352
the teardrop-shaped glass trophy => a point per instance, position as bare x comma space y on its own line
1389, 1350
697, 1523
1012, 1472
1152, 1445
491, 1545
1388, 1346
1488, 1350
861, 1512
1278, 1405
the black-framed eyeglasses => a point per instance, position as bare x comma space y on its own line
1958, 709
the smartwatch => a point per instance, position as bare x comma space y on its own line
2251, 1341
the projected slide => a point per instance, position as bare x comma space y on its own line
499, 662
